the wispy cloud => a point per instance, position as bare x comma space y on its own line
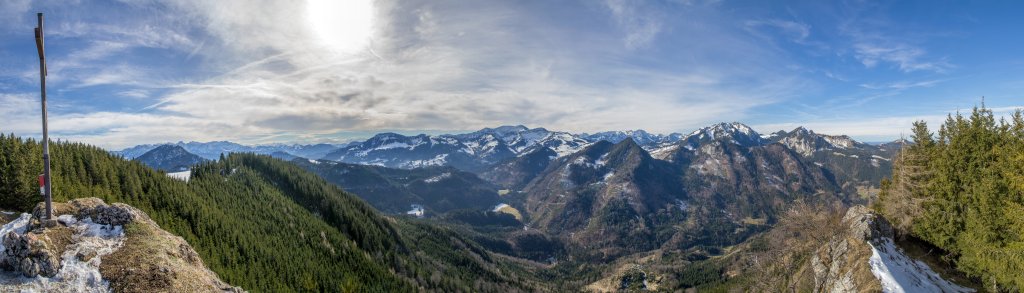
795, 31
906, 57
876, 42
902, 84
641, 27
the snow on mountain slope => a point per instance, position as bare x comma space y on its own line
469, 151
735, 132
641, 137
807, 142
899, 273
864, 258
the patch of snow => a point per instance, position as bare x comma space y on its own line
387, 146
16, 226
183, 175
899, 273
819, 164
75, 275
608, 176
854, 156
582, 161
602, 160
839, 141
417, 210
681, 205
314, 161
438, 178
880, 157
498, 207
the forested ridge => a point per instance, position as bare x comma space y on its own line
264, 224
962, 190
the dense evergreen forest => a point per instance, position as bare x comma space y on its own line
962, 189
265, 224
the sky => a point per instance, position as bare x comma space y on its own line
131, 72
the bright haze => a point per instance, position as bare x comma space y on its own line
130, 72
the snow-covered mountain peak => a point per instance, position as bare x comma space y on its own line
734, 132
640, 136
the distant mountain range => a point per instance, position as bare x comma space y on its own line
479, 150
728, 170
170, 158
212, 150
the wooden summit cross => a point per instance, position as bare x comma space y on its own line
47, 187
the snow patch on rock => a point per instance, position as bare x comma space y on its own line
80, 263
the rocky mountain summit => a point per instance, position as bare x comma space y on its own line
91, 246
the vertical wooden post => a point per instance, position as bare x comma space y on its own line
48, 188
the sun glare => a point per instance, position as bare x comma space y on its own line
342, 25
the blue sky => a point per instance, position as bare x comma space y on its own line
131, 72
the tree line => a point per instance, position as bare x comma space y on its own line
962, 190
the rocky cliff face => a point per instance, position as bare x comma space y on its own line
864, 259
91, 246
842, 264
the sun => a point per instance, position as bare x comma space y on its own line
342, 25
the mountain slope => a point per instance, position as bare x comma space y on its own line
641, 137
604, 198
472, 152
252, 216
857, 164
170, 158
437, 189
818, 250
516, 172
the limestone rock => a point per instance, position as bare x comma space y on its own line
36, 253
842, 264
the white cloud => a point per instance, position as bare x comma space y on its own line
429, 65
906, 57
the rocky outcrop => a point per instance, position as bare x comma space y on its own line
37, 253
92, 246
842, 264
864, 258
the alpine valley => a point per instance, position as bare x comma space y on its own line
545, 210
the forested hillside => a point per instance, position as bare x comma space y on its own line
438, 189
264, 224
962, 189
